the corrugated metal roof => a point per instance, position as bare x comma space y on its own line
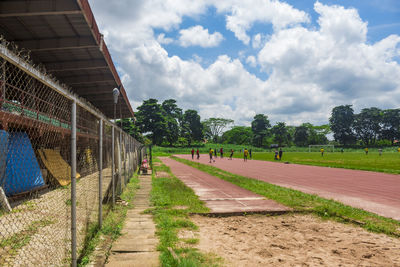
64, 37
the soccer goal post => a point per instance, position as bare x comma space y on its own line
317, 148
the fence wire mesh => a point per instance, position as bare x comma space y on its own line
35, 170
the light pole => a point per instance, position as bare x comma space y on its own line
115, 97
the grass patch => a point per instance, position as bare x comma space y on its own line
191, 241
166, 194
112, 223
388, 162
299, 201
22, 238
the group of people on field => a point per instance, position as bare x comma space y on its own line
213, 154
247, 154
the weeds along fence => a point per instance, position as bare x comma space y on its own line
48, 137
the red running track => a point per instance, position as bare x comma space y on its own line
372, 191
220, 196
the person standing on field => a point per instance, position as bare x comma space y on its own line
215, 153
322, 151
245, 154
221, 151
198, 154
230, 157
250, 153
211, 152
366, 151
192, 153
280, 154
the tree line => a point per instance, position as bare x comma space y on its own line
370, 126
168, 125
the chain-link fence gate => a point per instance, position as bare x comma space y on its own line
48, 136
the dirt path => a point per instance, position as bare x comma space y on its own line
293, 240
371, 191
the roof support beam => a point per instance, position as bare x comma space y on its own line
101, 96
90, 90
87, 79
76, 65
57, 43
17, 8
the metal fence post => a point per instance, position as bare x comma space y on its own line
125, 159
100, 173
120, 162
151, 157
73, 184
113, 165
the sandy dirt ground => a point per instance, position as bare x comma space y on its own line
293, 240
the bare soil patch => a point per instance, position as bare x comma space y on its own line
293, 240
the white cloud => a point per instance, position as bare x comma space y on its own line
309, 70
345, 25
251, 60
197, 59
163, 40
333, 65
256, 41
198, 36
243, 14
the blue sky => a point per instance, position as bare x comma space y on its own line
291, 60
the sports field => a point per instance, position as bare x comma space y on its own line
389, 162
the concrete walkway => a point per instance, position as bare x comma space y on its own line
222, 197
137, 246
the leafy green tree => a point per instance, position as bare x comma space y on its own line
391, 125
301, 135
129, 126
290, 130
215, 126
150, 119
316, 134
192, 128
238, 135
341, 123
367, 125
281, 134
173, 115
171, 109
260, 126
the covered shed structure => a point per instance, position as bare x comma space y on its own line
62, 36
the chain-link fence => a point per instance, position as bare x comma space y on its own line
37, 148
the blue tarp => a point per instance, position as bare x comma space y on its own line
22, 172
3, 155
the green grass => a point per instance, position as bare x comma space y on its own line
302, 202
17, 241
112, 223
388, 162
166, 195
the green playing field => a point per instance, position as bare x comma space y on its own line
388, 162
